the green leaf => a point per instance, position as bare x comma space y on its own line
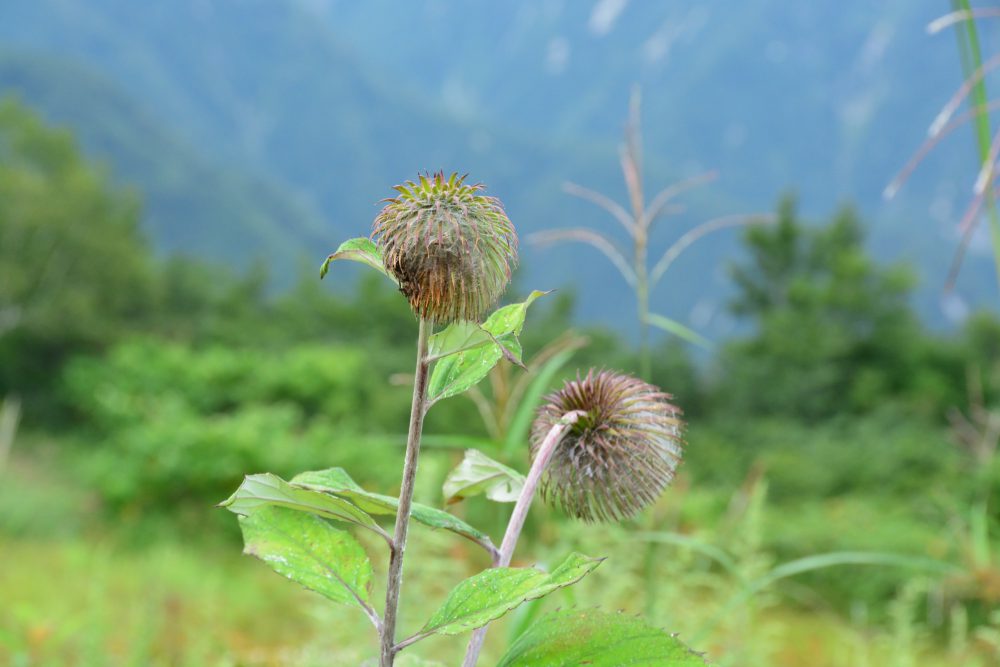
511, 349
571, 637
311, 552
492, 593
510, 319
478, 473
337, 483
473, 357
523, 618
457, 372
678, 329
457, 336
328, 480
267, 490
357, 250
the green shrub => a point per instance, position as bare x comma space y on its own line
167, 423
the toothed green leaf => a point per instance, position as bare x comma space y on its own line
337, 483
476, 349
492, 593
309, 551
569, 638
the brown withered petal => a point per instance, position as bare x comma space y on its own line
619, 456
450, 247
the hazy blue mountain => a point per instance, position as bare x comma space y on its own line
192, 204
325, 102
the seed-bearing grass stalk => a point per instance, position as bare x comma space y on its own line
972, 60
963, 17
395, 578
633, 264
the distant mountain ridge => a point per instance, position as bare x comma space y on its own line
298, 115
191, 204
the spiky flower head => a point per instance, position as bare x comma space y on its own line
450, 247
619, 455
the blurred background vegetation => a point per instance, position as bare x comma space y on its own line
163, 331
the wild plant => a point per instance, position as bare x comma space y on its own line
602, 447
639, 223
742, 577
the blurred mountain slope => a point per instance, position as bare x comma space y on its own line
191, 203
329, 101
839, 88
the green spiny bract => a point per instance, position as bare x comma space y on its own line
619, 455
450, 248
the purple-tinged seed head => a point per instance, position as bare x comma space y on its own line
619, 455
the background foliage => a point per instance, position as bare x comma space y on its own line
833, 421
155, 401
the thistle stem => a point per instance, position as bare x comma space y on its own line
398, 547
518, 516
642, 299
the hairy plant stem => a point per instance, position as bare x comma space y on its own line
518, 516
398, 547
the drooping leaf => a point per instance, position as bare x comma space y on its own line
469, 363
267, 490
309, 551
510, 349
678, 329
569, 638
337, 483
478, 473
492, 593
357, 250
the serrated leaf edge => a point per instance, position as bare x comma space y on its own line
591, 563
618, 612
361, 602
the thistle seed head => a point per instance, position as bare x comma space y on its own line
619, 455
450, 247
